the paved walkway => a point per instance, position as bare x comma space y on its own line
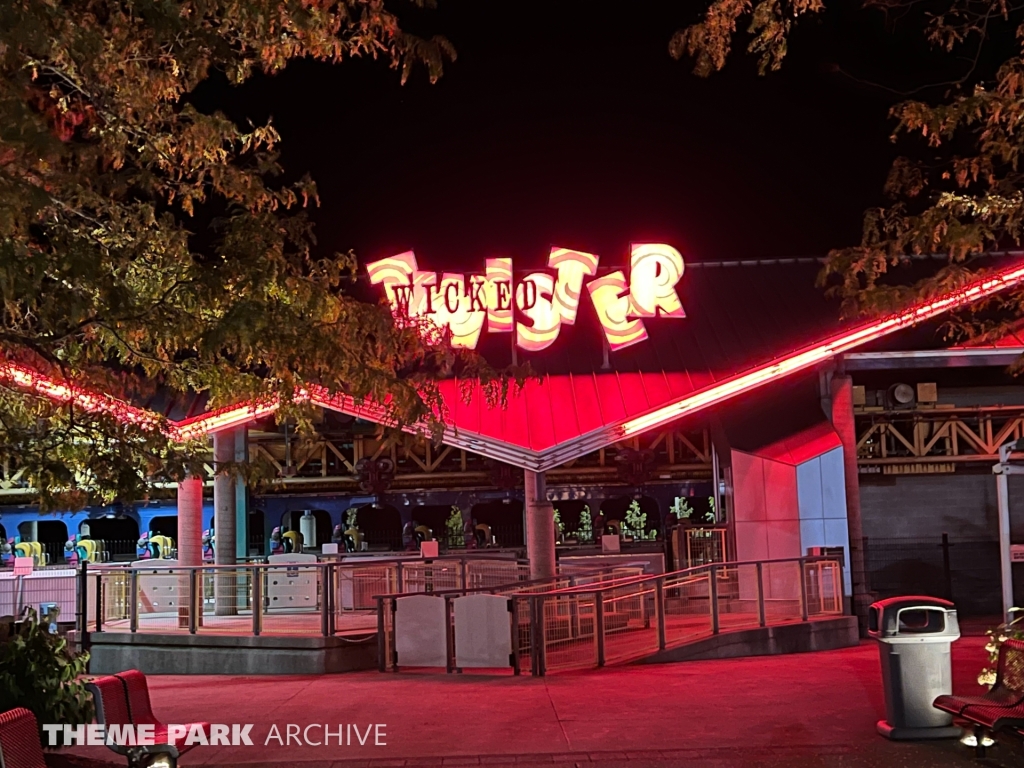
814, 709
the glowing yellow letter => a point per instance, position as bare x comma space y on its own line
572, 267
654, 271
610, 295
535, 299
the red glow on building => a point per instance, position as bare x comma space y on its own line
502, 434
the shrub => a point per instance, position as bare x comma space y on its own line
40, 672
996, 637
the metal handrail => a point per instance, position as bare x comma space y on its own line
246, 591
649, 596
539, 664
692, 570
510, 585
158, 563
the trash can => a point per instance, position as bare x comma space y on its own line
914, 635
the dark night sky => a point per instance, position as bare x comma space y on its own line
564, 123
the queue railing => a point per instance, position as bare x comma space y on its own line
568, 577
288, 598
559, 624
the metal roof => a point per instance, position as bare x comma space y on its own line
746, 326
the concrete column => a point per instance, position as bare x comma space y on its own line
190, 539
540, 527
241, 495
224, 515
190, 521
842, 419
1005, 566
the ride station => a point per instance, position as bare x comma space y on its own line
701, 449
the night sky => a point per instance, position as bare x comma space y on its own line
564, 123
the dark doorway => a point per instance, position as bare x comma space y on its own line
381, 526
164, 526
505, 519
52, 534
435, 517
257, 534
120, 535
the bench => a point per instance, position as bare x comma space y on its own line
1002, 708
123, 699
19, 740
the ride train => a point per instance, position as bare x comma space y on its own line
354, 523
150, 529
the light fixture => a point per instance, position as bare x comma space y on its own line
158, 760
971, 740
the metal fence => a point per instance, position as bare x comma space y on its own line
43, 587
627, 621
561, 624
963, 570
300, 598
569, 577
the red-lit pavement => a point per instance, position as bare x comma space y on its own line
801, 710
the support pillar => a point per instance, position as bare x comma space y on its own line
1005, 565
540, 527
224, 516
841, 390
190, 538
190, 521
241, 495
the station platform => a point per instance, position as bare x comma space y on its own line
815, 710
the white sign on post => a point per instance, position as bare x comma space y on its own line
23, 566
1017, 553
610, 543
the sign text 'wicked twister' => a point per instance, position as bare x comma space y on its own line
536, 306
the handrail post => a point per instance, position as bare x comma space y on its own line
394, 634
99, 602
382, 662
325, 601
760, 594
513, 609
398, 577
257, 600
659, 607
803, 589
332, 598
133, 598
841, 603
193, 600
713, 595
449, 640
599, 626
83, 606
537, 631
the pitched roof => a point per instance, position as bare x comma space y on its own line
746, 325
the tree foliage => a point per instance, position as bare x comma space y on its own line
145, 244
40, 672
958, 192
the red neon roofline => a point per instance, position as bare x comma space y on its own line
816, 353
236, 415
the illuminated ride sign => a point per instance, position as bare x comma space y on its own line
547, 300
